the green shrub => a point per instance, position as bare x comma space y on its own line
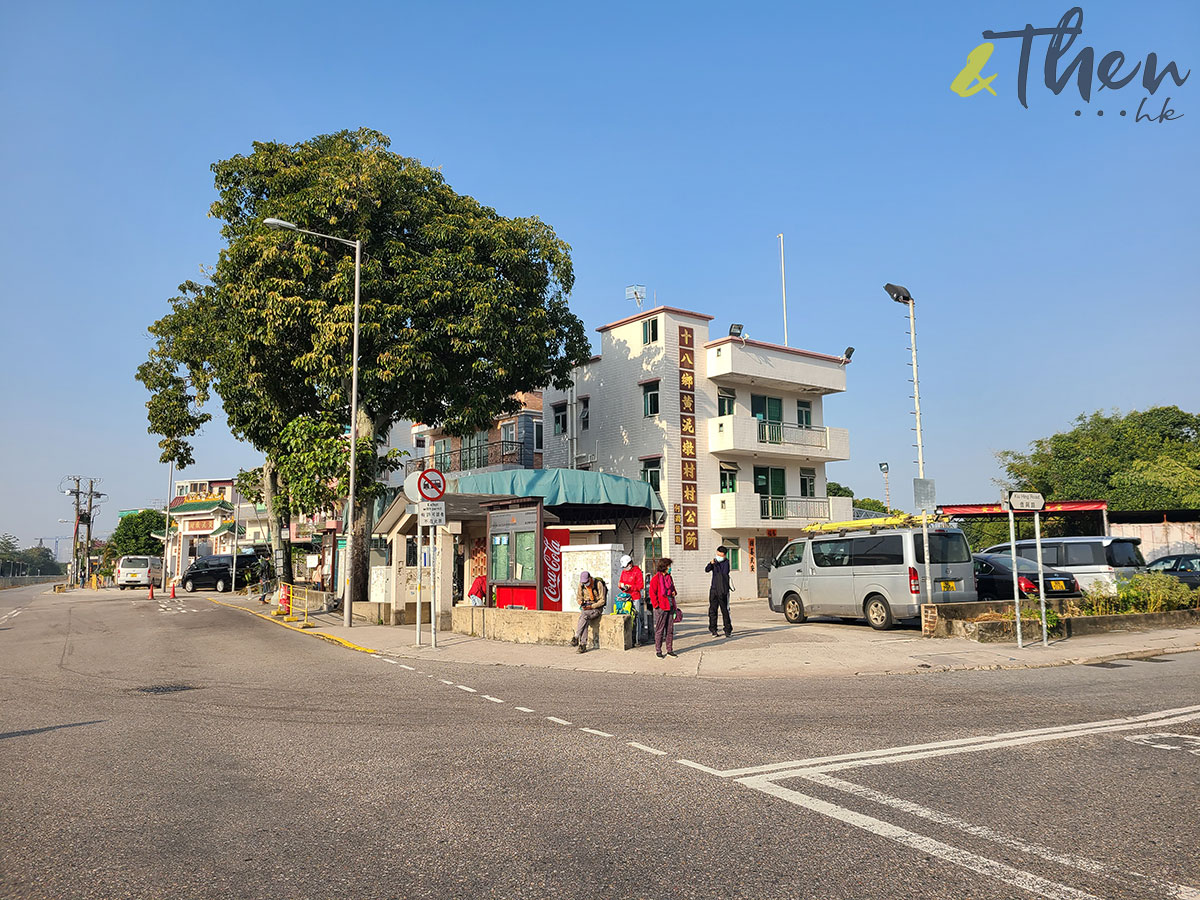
1148, 593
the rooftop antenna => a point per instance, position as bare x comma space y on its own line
636, 293
783, 284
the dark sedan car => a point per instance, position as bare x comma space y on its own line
216, 573
993, 572
1184, 566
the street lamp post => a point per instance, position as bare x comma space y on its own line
900, 294
887, 488
281, 225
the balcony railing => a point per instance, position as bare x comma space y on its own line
810, 508
785, 433
496, 453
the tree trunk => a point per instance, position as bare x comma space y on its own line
360, 563
281, 549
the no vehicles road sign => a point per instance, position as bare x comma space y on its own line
431, 485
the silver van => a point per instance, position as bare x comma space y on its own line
138, 571
1089, 559
877, 576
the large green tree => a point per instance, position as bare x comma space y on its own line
1138, 460
462, 308
134, 535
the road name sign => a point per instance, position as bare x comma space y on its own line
1027, 501
432, 513
431, 485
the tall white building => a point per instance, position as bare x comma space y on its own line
731, 432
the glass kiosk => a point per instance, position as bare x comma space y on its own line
514, 562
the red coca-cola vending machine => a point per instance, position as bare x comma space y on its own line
553, 589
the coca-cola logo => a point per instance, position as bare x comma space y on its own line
552, 557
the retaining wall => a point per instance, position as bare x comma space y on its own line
526, 626
14, 581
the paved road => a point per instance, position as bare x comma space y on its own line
184, 749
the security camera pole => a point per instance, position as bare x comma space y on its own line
900, 294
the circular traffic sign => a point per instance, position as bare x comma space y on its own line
431, 485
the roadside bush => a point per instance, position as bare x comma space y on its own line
1152, 592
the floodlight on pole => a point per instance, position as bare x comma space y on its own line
282, 225
900, 294
735, 330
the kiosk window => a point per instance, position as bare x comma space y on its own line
526, 557
499, 558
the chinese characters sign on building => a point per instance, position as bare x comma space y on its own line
687, 437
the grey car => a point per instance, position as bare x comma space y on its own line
1184, 566
878, 576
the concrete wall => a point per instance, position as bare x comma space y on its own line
523, 626
23, 580
1161, 538
601, 560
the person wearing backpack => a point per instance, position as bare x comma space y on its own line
593, 596
662, 598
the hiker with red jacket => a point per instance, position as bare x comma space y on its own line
662, 598
631, 583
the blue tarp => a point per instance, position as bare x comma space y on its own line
557, 487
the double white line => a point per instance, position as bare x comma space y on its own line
764, 779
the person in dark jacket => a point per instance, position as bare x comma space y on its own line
718, 592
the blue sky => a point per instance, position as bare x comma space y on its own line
1053, 257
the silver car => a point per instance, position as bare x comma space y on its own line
1090, 559
878, 576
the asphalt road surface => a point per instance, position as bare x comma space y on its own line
183, 749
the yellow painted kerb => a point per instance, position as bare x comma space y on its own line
325, 637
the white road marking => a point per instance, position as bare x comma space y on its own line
493, 699
981, 831
647, 749
595, 732
403, 666
966, 744
445, 681
392, 661
558, 720
1026, 881
522, 709
1188, 742
463, 687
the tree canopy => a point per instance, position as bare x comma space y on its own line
1138, 460
462, 308
134, 535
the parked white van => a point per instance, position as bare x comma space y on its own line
1089, 559
877, 576
139, 571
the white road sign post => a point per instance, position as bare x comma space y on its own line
1027, 501
1012, 547
1037, 537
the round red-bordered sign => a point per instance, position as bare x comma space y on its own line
431, 485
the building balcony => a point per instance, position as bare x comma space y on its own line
745, 509
733, 361
740, 435
494, 456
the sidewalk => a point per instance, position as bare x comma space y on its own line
763, 645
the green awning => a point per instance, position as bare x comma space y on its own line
559, 487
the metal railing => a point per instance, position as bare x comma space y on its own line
496, 453
809, 508
786, 433
295, 603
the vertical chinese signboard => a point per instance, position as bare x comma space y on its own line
678, 524
687, 437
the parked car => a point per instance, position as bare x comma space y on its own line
993, 577
1184, 566
879, 576
1089, 559
138, 571
216, 573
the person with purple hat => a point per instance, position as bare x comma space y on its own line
593, 596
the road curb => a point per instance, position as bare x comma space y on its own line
325, 637
1050, 664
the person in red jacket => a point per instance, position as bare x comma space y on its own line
662, 598
632, 583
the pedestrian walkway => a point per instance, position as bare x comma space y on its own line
763, 645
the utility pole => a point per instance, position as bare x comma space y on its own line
87, 550
75, 535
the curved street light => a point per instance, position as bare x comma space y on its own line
283, 225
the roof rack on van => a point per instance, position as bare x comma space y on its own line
905, 521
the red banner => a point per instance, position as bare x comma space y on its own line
553, 540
